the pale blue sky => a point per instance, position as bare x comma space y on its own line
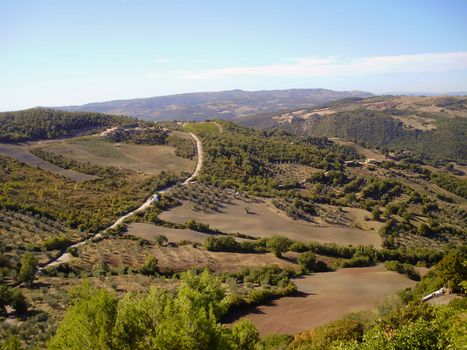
74, 52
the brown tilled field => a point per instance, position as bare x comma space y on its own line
325, 297
264, 220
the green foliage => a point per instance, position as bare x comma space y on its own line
187, 319
451, 183
150, 267
307, 261
28, 268
12, 297
56, 243
278, 244
142, 136
405, 269
324, 337
221, 244
246, 333
11, 343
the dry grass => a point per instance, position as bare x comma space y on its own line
21, 152
324, 297
123, 252
143, 158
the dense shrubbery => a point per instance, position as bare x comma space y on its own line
142, 136
451, 183
188, 319
405, 269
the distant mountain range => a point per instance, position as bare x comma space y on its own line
217, 105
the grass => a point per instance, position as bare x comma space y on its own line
208, 127
151, 159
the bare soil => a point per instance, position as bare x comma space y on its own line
264, 220
325, 297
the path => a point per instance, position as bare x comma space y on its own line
65, 257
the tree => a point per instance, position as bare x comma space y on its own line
307, 261
161, 239
246, 334
150, 267
28, 269
278, 245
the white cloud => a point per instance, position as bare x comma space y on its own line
309, 67
161, 60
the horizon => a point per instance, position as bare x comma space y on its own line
74, 53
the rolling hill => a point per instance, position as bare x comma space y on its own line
216, 105
430, 127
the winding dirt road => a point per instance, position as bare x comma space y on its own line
65, 257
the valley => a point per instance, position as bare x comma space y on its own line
298, 231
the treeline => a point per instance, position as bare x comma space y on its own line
39, 123
141, 136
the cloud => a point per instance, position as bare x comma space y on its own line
162, 60
309, 67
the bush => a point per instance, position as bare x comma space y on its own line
28, 269
221, 244
405, 269
150, 267
56, 243
307, 261
278, 245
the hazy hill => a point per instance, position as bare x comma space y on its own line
217, 105
431, 127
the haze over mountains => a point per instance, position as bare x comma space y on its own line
217, 105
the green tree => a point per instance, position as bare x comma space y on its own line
150, 266
28, 269
307, 261
278, 245
246, 334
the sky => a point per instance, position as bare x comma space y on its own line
55, 53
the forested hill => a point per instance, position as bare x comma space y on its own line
377, 129
217, 105
431, 128
38, 123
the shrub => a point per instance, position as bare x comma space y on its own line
150, 267
307, 261
278, 245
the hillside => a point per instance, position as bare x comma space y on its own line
39, 123
216, 105
432, 128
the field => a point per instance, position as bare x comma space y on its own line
324, 297
21, 153
149, 231
209, 127
117, 253
142, 158
264, 220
